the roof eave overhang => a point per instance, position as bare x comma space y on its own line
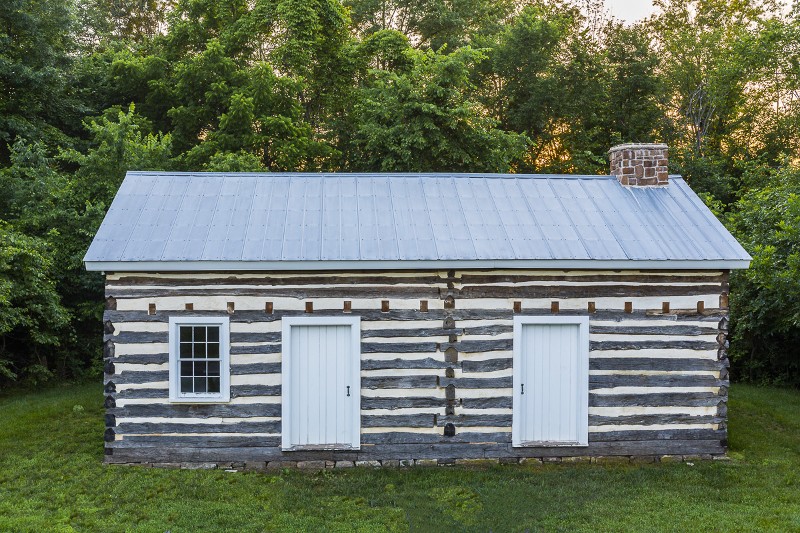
539, 264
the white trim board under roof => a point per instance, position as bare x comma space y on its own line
164, 221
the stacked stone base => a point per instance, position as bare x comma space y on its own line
406, 463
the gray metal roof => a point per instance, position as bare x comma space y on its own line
292, 221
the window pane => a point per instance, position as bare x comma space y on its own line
213, 368
186, 368
186, 385
213, 385
186, 349
213, 334
199, 350
200, 369
213, 349
186, 334
199, 334
200, 385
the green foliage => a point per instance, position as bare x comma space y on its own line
425, 120
766, 298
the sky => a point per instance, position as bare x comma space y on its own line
630, 10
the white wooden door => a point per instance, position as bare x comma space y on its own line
551, 383
321, 389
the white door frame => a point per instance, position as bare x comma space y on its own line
583, 384
355, 372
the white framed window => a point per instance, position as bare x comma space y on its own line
551, 381
321, 383
199, 359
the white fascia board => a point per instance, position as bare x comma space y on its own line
559, 264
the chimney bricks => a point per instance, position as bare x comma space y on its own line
640, 164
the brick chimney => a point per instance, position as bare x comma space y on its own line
640, 164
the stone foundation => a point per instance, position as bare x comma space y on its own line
407, 463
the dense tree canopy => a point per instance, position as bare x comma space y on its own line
92, 88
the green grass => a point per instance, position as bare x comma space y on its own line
52, 478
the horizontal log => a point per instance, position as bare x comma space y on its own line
424, 402
142, 358
653, 363
658, 380
399, 437
187, 280
583, 291
399, 382
653, 330
424, 292
487, 365
664, 399
234, 427
629, 277
476, 383
238, 349
650, 420
652, 344
206, 441
197, 411
658, 435
428, 362
406, 421
133, 377
501, 402
475, 420
255, 368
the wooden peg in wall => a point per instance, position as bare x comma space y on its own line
268, 308
348, 306
665, 307
517, 307
423, 306
309, 307
554, 307
151, 309
189, 307
592, 307
230, 308
629, 307
385, 306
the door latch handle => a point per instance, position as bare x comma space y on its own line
348, 390
522, 388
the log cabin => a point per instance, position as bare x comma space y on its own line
337, 319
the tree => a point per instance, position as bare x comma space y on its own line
425, 120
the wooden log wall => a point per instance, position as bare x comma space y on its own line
436, 364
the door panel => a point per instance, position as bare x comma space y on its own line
321, 367
551, 384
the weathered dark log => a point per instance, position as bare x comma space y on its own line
110, 387
652, 363
182, 280
109, 435
449, 430
487, 365
369, 402
108, 327
128, 377
108, 349
502, 402
143, 358
638, 277
477, 383
474, 420
111, 303
653, 330
400, 382
108, 367
662, 399
584, 291
399, 363
109, 403
111, 420
658, 380
255, 368
649, 420
652, 344
238, 349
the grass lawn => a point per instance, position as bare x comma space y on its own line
52, 478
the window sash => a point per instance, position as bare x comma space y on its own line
199, 359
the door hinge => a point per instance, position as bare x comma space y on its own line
522, 388
348, 390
